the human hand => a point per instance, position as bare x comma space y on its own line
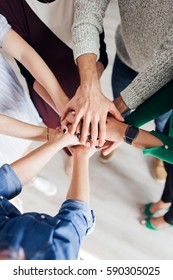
114, 132
66, 123
66, 138
83, 151
111, 147
121, 105
92, 109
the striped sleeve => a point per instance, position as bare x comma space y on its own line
4, 28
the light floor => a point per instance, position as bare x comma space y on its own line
118, 188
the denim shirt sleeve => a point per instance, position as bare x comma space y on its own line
10, 185
4, 28
164, 152
78, 213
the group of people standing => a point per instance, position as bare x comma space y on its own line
65, 93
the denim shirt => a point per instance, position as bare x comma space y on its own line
40, 235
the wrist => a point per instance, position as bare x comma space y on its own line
52, 134
81, 155
88, 69
120, 105
131, 133
119, 131
62, 102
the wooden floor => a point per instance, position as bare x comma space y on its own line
118, 188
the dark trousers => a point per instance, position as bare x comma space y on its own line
167, 195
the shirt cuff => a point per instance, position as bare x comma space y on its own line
4, 28
84, 208
86, 48
10, 185
164, 152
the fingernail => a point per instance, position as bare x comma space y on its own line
105, 153
89, 137
64, 131
78, 135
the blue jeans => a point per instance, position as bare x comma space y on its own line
122, 76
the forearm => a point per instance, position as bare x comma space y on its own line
45, 96
79, 187
15, 128
26, 55
143, 140
28, 166
87, 26
89, 69
100, 69
121, 105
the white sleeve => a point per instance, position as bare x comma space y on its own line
4, 28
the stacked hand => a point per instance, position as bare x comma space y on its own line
90, 116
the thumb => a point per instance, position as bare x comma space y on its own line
111, 148
67, 108
116, 114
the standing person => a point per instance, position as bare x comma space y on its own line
35, 236
160, 145
144, 56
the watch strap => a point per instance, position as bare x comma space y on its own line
130, 134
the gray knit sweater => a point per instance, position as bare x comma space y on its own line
144, 41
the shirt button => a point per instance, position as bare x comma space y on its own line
1, 197
6, 217
43, 216
166, 147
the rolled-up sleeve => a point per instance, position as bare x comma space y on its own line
4, 28
164, 152
79, 213
75, 221
10, 185
88, 24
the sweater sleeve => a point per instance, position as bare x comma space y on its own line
88, 24
153, 77
158, 104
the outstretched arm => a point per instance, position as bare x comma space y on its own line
116, 131
89, 103
26, 55
80, 187
15, 128
23, 170
28, 166
152, 143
